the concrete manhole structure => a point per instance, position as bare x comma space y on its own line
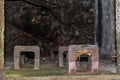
17, 56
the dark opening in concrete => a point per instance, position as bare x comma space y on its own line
27, 60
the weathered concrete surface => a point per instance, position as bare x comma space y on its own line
118, 32
1, 34
19, 49
60, 53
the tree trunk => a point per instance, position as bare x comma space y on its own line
106, 28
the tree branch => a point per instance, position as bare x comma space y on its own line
48, 6
44, 4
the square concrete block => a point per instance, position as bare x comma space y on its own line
60, 53
17, 55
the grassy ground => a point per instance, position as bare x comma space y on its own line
53, 72
71, 77
45, 70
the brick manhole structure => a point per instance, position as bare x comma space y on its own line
94, 66
19, 49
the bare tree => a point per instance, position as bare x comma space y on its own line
70, 7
